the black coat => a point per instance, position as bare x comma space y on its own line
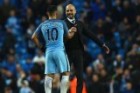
77, 41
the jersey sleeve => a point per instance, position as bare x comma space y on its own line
38, 31
65, 28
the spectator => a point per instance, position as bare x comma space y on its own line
39, 58
132, 57
104, 78
125, 28
88, 75
137, 7
36, 83
128, 11
118, 74
8, 90
126, 77
35, 5
108, 32
119, 62
30, 45
99, 10
9, 67
25, 87
7, 44
60, 11
113, 86
5, 10
136, 27
128, 88
97, 62
44, 18
117, 11
95, 87
28, 19
27, 66
2, 83
13, 23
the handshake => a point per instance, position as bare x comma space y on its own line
73, 29
71, 32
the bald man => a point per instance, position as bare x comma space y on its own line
74, 47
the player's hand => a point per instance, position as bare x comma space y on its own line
73, 29
105, 47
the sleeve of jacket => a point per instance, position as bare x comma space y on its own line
91, 35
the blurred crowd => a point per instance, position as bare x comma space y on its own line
115, 22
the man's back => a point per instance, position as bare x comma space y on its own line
53, 31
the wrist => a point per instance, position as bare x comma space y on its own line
70, 30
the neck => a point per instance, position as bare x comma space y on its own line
52, 17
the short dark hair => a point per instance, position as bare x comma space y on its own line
51, 9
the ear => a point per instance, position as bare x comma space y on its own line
75, 11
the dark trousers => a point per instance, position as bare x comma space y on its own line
76, 58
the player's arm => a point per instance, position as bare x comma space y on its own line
35, 38
94, 38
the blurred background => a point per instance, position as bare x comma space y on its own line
116, 22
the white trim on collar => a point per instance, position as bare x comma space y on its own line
70, 20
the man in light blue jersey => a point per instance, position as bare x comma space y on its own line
53, 32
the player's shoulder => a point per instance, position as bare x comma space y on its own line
46, 21
53, 20
60, 20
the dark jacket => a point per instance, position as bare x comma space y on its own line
77, 41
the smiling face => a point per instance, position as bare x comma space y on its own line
70, 11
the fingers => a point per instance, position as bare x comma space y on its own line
73, 29
107, 50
